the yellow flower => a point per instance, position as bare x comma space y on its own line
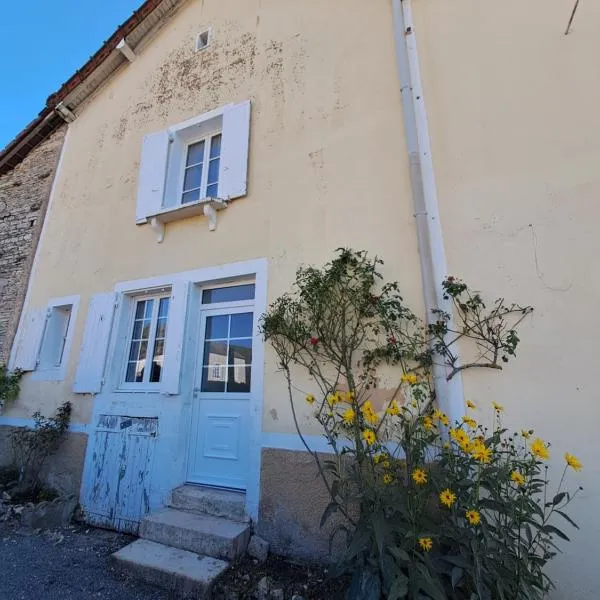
440, 416
393, 409
539, 449
448, 498
473, 517
428, 423
347, 397
387, 478
349, 416
425, 543
333, 399
461, 438
526, 434
370, 417
385, 464
517, 478
379, 458
573, 462
369, 437
497, 407
419, 476
409, 378
471, 405
310, 399
446, 445
481, 452
472, 423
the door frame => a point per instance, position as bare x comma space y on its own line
110, 401
211, 310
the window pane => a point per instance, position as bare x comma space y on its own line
241, 325
130, 375
228, 294
149, 307
195, 153
213, 171
157, 361
213, 378
215, 146
240, 352
192, 178
239, 378
190, 196
212, 191
140, 309
134, 351
217, 327
215, 353
163, 308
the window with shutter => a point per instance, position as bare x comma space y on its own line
194, 168
44, 339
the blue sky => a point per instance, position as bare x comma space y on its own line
42, 43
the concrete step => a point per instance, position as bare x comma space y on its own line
210, 501
202, 534
185, 574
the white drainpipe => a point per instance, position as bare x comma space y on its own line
429, 230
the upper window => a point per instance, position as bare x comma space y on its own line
201, 170
201, 161
146, 348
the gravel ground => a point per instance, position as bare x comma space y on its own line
67, 564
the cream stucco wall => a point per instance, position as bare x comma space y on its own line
513, 110
327, 162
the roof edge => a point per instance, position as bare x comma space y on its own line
49, 119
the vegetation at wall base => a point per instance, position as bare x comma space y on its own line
426, 509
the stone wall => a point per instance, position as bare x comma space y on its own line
24, 194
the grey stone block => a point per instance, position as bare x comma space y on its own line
49, 515
203, 534
209, 501
183, 573
258, 548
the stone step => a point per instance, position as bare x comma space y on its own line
183, 573
210, 501
202, 534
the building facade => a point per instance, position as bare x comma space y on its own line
240, 140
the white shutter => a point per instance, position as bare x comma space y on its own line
30, 339
233, 172
171, 371
96, 336
153, 171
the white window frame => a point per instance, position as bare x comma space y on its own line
181, 137
133, 299
207, 139
57, 372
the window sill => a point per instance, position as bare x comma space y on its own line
49, 374
205, 206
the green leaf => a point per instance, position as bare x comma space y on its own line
399, 588
331, 509
457, 575
399, 554
556, 531
567, 518
559, 498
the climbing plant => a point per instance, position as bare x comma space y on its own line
427, 508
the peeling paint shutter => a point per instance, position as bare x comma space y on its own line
152, 175
96, 335
234, 151
30, 339
175, 335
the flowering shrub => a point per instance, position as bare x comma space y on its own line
429, 509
